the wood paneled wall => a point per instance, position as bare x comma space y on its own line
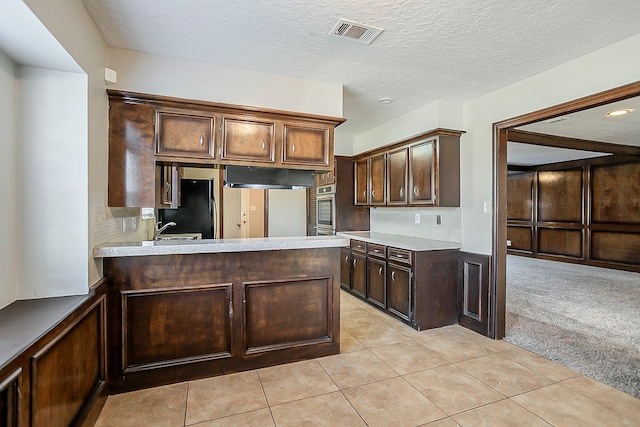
582, 212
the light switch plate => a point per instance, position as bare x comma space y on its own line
486, 206
417, 219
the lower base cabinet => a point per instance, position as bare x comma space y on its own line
60, 379
400, 291
417, 287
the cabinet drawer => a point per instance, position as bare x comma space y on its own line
399, 255
376, 250
359, 246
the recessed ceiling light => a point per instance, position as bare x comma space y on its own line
385, 100
620, 112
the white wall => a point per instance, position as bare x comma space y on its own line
52, 155
69, 22
287, 213
613, 66
438, 114
8, 180
161, 75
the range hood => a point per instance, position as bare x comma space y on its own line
267, 178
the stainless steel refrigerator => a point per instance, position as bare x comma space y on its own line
197, 211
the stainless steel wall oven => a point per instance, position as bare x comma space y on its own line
326, 210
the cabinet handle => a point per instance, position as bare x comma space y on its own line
346, 259
293, 147
263, 145
373, 193
364, 194
393, 275
354, 262
201, 140
167, 192
380, 271
415, 190
402, 192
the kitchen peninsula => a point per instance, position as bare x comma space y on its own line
181, 310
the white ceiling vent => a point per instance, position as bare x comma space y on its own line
355, 31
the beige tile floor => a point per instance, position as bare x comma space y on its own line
387, 375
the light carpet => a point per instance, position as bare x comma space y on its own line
586, 318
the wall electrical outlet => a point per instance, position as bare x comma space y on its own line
486, 207
417, 219
438, 220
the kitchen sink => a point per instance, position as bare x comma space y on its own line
192, 236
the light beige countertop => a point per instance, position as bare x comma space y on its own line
179, 247
402, 242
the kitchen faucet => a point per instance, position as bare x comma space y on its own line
160, 228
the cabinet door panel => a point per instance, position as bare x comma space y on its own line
184, 134
399, 290
248, 140
377, 173
359, 274
345, 268
306, 145
377, 282
422, 166
362, 182
397, 177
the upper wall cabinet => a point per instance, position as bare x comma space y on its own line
149, 131
184, 133
307, 144
421, 171
248, 139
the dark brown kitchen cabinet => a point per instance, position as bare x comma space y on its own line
417, 287
132, 175
147, 130
377, 174
399, 290
420, 171
246, 139
185, 133
377, 274
168, 185
422, 180
10, 399
362, 182
359, 268
397, 177
307, 144
345, 268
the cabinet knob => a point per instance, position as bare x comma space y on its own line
201, 140
415, 190
393, 275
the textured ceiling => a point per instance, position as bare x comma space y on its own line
430, 50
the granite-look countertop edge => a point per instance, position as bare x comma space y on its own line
402, 242
180, 247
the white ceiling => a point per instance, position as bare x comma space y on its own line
429, 50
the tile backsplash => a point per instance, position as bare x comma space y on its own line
402, 221
119, 225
